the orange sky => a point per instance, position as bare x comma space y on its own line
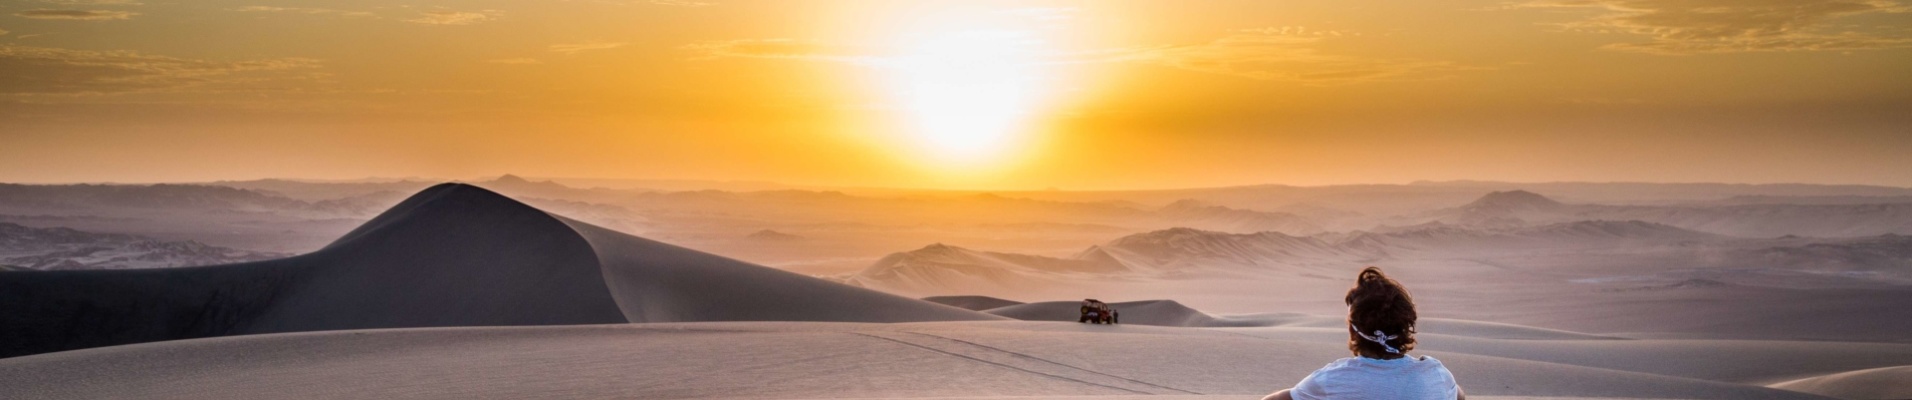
960, 94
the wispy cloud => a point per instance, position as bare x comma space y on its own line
305, 10
515, 61
574, 48
79, 15
1298, 31
680, 3
1291, 57
1044, 13
94, 2
41, 70
1729, 26
3, 32
453, 17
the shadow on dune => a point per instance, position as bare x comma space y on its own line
973, 303
451, 255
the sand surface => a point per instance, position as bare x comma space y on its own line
836, 360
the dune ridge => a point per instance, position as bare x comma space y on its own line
1875, 383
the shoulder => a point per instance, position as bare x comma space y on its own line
1332, 372
1429, 362
1338, 365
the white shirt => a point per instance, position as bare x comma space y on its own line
1356, 378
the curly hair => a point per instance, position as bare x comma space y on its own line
1380, 303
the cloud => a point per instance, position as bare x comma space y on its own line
304, 10
1044, 13
81, 15
518, 61
1298, 31
1731, 26
1292, 57
95, 2
680, 3
452, 17
575, 48
790, 49
3, 32
40, 70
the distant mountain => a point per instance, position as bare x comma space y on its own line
1437, 238
1196, 214
54, 199
1186, 251
1774, 220
1809, 200
772, 236
1507, 209
68, 249
940, 265
1884, 253
516, 186
1513, 209
327, 190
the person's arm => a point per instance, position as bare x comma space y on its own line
1459, 394
1281, 395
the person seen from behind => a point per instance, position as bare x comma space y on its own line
1380, 333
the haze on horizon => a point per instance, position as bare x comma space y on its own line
960, 94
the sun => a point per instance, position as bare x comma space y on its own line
968, 95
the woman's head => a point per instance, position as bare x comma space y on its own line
1379, 303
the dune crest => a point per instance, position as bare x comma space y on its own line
1876, 383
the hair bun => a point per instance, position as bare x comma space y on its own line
1371, 274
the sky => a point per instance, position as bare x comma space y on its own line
960, 94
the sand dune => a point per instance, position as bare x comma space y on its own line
773, 360
657, 282
462, 293
452, 255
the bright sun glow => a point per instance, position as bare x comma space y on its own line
969, 94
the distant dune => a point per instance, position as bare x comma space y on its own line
452, 255
1181, 251
1851, 217
1147, 312
63, 248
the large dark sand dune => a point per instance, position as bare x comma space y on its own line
452, 255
